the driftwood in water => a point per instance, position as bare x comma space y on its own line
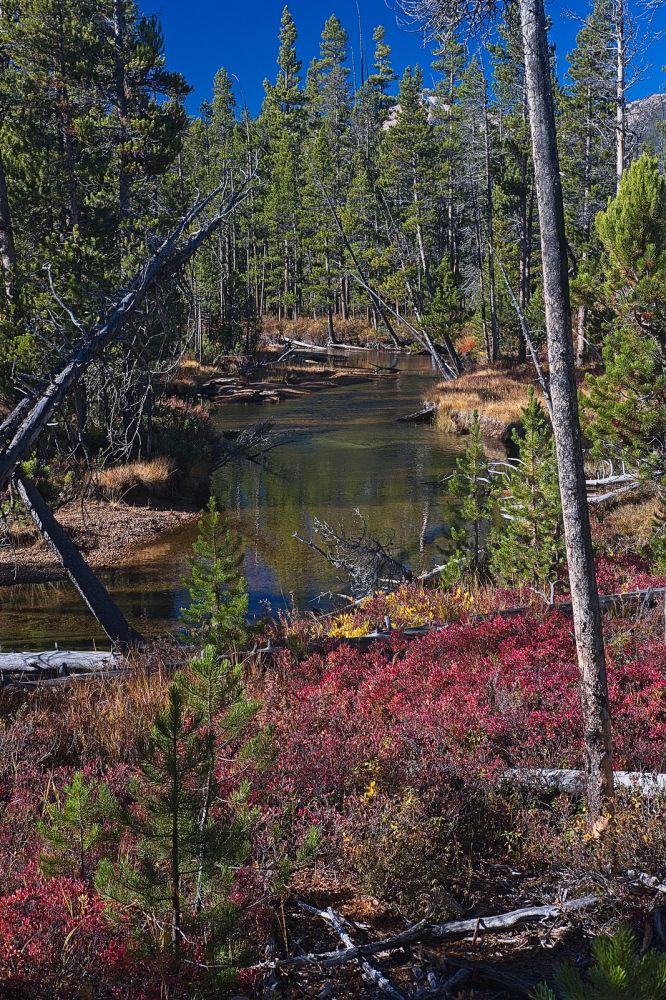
304, 345
575, 782
425, 415
92, 590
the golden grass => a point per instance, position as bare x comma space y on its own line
152, 478
190, 376
629, 522
498, 397
315, 331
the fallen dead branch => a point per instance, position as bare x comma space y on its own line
373, 974
424, 930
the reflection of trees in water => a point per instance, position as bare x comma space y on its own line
390, 481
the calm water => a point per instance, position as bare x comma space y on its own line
340, 450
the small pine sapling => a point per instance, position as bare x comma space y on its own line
214, 694
527, 542
175, 850
618, 972
471, 486
218, 597
76, 828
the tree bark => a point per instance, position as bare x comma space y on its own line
490, 235
7, 248
620, 91
93, 592
566, 423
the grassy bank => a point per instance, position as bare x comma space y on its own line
497, 394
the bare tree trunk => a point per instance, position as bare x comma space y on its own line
168, 259
94, 593
621, 90
566, 424
490, 235
119, 33
7, 248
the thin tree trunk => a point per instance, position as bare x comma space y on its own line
620, 91
94, 593
165, 261
119, 32
7, 249
490, 235
566, 424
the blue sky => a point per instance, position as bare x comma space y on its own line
202, 35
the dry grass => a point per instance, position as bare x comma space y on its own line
151, 478
498, 396
315, 331
190, 377
629, 523
98, 720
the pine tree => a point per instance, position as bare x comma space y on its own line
619, 971
76, 828
177, 856
214, 694
218, 596
527, 544
470, 486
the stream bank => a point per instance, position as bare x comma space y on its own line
340, 451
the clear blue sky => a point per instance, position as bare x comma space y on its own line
202, 35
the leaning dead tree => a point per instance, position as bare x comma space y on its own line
22, 428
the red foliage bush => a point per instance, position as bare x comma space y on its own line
457, 704
55, 936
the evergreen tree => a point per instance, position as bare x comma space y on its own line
527, 544
178, 857
470, 486
76, 828
620, 971
218, 596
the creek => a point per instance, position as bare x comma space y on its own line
340, 450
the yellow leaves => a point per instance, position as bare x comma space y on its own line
370, 791
346, 626
410, 606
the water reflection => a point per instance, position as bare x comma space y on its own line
342, 450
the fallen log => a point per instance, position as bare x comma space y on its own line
425, 415
168, 259
330, 348
575, 782
57, 663
92, 590
424, 930
370, 972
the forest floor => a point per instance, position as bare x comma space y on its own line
106, 532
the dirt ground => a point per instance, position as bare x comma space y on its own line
107, 533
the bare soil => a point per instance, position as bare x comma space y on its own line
107, 533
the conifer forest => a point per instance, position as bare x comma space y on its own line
333, 501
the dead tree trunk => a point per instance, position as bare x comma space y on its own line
93, 592
490, 234
167, 259
566, 424
7, 249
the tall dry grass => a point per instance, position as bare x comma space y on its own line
148, 478
315, 331
498, 396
